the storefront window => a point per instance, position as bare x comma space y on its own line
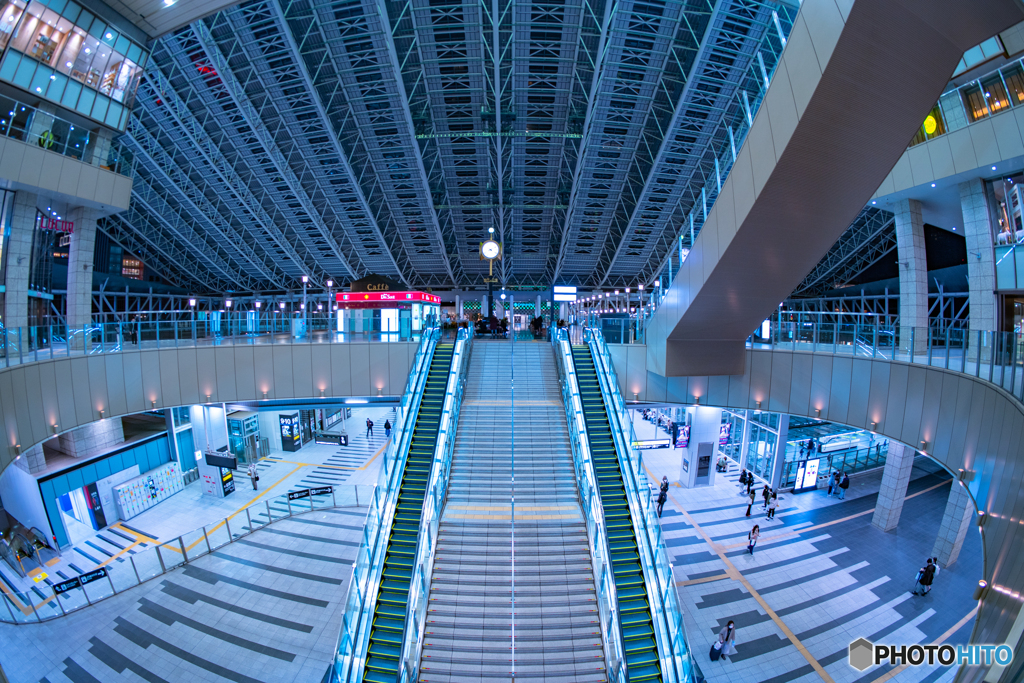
1014, 78
69, 57
995, 93
9, 16
974, 100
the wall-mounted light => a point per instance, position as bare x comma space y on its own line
965, 475
208, 398
817, 412
980, 590
264, 395
981, 518
758, 403
636, 395
101, 413
924, 445
380, 391
696, 399
874, 426
152, 403
54, 427
321, 393
16, 448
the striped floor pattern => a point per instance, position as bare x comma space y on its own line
266, 608
825, 573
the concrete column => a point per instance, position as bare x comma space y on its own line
80, 263
956, 520
913, 267
91, 438
98, 152
895, 479
537, 308
458, 307
19, 256
981, 273
780, 452
704, 426
33, 460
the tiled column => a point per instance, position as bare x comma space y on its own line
33, 460
745, 439
18, 257
98, 151
981, 277
913, 267
956, 520
80, 264
893, 491
91, 438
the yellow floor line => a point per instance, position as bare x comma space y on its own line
889, 675
735, 574
706, 579
379, 451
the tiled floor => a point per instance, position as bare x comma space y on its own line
266, 608
820, 570
313, 465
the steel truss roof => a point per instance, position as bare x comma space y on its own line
870, 237
336, 138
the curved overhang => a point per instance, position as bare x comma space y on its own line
71, 392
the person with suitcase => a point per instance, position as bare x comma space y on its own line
925, 575
726, 643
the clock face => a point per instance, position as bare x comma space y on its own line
490, 249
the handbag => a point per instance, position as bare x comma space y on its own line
257, 477
717, 645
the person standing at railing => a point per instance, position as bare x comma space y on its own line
844, 484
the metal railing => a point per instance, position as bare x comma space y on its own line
850, 462
151, 558
20, 121
354, 636
676, 663
593, 511
433, 504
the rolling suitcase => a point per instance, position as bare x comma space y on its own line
716, 651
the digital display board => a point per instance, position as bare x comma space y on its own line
723, 433
806, 476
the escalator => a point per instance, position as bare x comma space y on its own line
634, 606
383, 657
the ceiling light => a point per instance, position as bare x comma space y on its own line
933, 184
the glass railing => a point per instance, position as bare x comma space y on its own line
20, 121
851, 461
670, 634
45, 342
996, 357
366, 572
593, 510
148, 559
433, 504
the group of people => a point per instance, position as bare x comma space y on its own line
837, 484
769, 496
369, 428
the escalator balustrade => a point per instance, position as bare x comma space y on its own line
634, 605
383, 657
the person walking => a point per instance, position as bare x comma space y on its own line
664, 484
844, 484
743, 481
387, 428
253, 475
766, 493
727, 640
369, 428
772, 505
752, 538
662, 497
752, 495
925, 577
750, 482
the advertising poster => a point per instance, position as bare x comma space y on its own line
723, 433
682, 436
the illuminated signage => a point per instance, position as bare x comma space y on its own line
723, 433
46, 223
564, 290
399, 297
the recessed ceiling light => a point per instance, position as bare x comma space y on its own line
933, 184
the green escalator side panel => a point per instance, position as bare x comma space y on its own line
635, 617
384, 651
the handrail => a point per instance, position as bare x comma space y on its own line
593, 511
354, 635
161, 557
670, 634
433, 504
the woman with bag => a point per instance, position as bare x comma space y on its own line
253, 476
727, 640
752, 538
773, 503
752, 495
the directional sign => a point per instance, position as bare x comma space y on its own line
65, 586
306, 493
322, 490
94, 575
295, 495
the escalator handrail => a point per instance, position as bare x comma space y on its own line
588, 491
354, 635
670, 634
433, 503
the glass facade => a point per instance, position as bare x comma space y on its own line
62, 52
